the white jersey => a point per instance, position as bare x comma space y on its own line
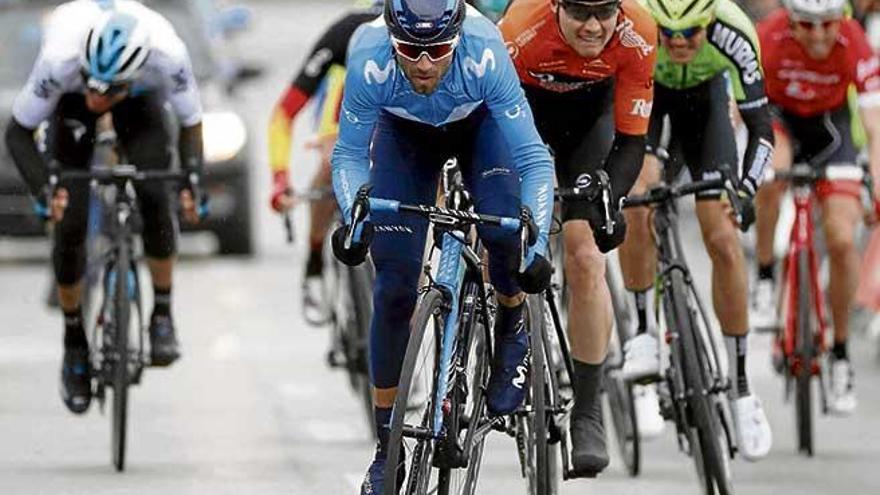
167, 71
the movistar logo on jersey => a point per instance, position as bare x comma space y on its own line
487, 62
373, 74
739, 49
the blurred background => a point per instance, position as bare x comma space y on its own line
253, 407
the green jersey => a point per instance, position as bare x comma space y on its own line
731, 45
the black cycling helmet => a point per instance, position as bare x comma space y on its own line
424, 21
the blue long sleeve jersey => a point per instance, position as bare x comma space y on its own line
481, 73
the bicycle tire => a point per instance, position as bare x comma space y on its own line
360, 278
620, 393
706, 430
805, 350
119, 381
432, 305
545, 481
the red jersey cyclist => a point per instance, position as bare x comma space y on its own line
811, 55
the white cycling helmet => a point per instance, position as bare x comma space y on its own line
816, 8
116, 47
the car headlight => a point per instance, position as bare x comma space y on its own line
223, 136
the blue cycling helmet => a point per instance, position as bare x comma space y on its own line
116, 47
424, 21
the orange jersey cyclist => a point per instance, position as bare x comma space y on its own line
812, 56
586, 66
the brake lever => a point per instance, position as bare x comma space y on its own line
359, 211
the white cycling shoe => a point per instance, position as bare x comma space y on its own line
313, 307
762, 310
641, 358
842, 393
647, 406
754, 436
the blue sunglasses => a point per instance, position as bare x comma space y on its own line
684, 33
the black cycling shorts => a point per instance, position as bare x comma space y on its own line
144, 139
819, 140
578, 126
694, 127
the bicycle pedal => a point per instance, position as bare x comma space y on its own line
573, 474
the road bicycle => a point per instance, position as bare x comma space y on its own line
801, 344
693, 389
118, 355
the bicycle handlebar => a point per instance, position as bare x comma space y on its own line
664, 192
805, 174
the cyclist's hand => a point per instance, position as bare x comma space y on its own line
356, 253
189, 208
282, 199
59, 204
747, 209
536, 278
605, 241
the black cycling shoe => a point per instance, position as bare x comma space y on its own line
76, 380
589, 456
164, 348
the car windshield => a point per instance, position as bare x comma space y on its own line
21, 30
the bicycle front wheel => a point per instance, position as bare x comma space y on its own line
120, 366
805, 351
705, 431
412, 421
361, 280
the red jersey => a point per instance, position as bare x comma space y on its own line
544, 60
807, 87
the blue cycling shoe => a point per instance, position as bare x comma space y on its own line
510, 364
76, 380
374, 481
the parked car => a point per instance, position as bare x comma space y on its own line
226, 138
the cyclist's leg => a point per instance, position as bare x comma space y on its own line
716, 146
496, 190
70, 140
321, 216
590, 316
142, 127
405, 168
841, 214
767, 203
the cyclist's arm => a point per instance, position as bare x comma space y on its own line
330, 50
507, 102
747, 80
34, 104
182, 92
866, 76
189, 147
633, 101
351, 156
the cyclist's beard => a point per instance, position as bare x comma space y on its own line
425, 79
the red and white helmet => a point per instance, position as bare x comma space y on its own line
816, 9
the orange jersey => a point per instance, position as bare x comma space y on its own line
544, 60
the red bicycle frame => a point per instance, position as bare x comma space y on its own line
801, 239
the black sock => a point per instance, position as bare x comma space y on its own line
839, 350
508, 320
641, 310
765, 272
382, 418
315, 263
161, 301
587, 385
737, 346
74, 331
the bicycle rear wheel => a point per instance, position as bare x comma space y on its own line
805, 350
706, 433
120, 376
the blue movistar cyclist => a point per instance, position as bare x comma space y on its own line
429, 81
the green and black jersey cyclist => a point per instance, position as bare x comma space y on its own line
708, 49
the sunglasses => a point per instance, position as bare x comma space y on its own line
584, 12
104, 88
414, 51
810, 24
685, 33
